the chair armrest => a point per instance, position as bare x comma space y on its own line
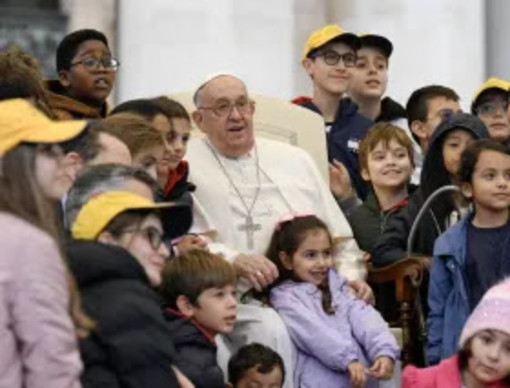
407, 274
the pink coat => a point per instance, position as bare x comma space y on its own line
38, 347
444, 375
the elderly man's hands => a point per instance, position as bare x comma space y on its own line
257, 269
362, 291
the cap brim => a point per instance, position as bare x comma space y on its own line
56, 132
379, 42
176, 217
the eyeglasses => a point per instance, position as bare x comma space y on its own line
151, 234
91, 63
331, 58
492, 108
224, 108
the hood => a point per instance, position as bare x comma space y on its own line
391, 110
94, 262
433, 163
68, 108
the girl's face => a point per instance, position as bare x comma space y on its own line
49, 173
493, 113
388, 165
149, 159
313, 259
490, 187
144, 242
455, 142
490, 359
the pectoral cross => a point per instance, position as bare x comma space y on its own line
249, 227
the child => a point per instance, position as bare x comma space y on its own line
439, 169
144, 142
490, 104
328, 58
472, 255
200, 298
370, 78
256, 365
386, 162
86, 74
173, 121
484, 356
339, 339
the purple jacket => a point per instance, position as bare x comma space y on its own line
326, 344
38, 347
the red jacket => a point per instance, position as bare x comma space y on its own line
444, 375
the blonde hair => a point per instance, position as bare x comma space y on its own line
137, 133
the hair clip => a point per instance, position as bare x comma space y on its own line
290, 217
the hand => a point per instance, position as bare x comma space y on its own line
257, 269
183, 381
362, 291
356, 372
190, 241
340, 181
382, 368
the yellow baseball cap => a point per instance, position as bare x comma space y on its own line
492, 83
21, 122
378, 41
328, 33
100, 210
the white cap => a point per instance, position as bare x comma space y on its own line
209, 78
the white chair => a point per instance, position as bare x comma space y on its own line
281, 120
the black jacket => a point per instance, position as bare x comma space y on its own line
131, 346
196, 353
343, 139
368, 221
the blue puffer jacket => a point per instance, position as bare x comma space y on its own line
448, 300
343, 139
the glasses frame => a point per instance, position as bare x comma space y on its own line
112, 66
145, 232
250, 104
339, 57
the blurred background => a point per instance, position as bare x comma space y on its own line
166, 46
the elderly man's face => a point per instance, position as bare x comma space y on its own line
225, 115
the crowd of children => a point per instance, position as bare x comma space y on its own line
102, 285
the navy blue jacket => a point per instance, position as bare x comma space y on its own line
343, 139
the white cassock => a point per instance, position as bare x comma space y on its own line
289, 181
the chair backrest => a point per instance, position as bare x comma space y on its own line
281, 120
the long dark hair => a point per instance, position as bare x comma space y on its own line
21, 196
287, 238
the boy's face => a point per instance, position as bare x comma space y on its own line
252, 378
454, 144
216, 309
388, 165
370, 75
438, 109
327, 78
88, 83
490, 184
493, 111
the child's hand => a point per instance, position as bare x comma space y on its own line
190, 241
357, 374
382, 368
340, 181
